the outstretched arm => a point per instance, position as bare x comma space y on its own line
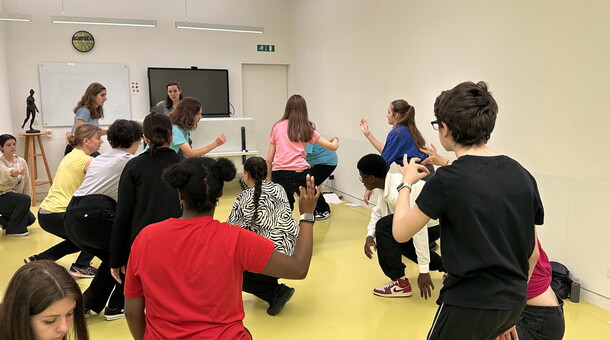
297, 265
364, 126
189, 152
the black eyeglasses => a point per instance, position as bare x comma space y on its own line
435, 124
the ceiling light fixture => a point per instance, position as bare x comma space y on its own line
215, 27
103, 21
15, 17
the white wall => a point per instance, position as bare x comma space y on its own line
6, 116
28, 44
545, 61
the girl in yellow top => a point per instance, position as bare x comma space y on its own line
70, 175
15, 186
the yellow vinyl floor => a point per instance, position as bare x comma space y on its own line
334, 301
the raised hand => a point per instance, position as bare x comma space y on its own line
364, 126
412, 171
308, 196
433, 157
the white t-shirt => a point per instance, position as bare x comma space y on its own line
104, 174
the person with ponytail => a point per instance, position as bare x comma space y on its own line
184, 277
69, 176
286, 163
264, 209
404, 138
142, 198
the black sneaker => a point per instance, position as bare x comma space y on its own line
281, 296
113, 313
322, 216
30, 259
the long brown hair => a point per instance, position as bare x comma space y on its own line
84, 131
32, 289
184, 113
88, 100
406, 117
299, 129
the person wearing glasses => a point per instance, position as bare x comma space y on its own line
374, 175
488, 206
404, 138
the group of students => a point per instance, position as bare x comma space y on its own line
149, 234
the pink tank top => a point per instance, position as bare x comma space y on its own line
542, 276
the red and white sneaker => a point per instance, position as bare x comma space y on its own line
399, 288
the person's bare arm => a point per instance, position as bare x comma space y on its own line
407, 221
364, 126
136, 318
188, 152
330, 144
297, 265
270, 156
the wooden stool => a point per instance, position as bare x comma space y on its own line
30, 157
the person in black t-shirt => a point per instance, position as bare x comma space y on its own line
488, 206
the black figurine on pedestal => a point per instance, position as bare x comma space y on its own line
31, 109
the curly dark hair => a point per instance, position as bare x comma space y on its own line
200, 180
184, 113
470, 112
123, 133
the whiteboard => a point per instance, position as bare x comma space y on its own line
63, 84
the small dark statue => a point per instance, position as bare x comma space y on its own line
31, 109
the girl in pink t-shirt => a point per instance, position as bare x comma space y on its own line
286, 163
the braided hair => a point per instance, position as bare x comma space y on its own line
257, 168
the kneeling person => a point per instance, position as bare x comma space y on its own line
374, 175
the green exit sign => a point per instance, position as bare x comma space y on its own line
265, 48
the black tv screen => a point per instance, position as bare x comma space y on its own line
210, 86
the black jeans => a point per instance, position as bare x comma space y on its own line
389, 251
15, 214
88, 223
542, 323
54, 224
320, 173
455, 322
290, 181
260, 285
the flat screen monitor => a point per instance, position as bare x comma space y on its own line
210, 86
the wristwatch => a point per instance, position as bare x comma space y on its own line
404, 185
307, 218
